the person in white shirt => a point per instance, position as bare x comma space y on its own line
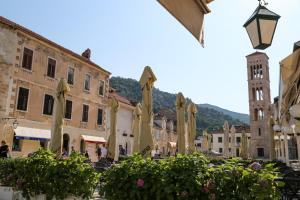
103, 151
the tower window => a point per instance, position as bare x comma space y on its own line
259, 132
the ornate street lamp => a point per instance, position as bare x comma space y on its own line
261, 26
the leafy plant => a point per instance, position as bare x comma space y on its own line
41, 173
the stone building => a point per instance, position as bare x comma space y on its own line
286, 111
164, 135
31, 67
259, 103
217, 142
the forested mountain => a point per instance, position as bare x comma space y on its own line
164, 102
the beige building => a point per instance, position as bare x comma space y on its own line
31, 67
164, 134
217, 142
286, 111
259, 104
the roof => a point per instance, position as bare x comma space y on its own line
257, 53
238, 129
121, 99
296, 46
16, 26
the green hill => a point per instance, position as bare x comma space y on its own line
164, 102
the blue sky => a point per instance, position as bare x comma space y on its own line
126, 35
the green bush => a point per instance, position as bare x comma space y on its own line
41, 173
188, 177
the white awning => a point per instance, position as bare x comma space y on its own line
172, 144
93, 139
25, 133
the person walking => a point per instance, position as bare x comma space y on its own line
103, 151
4, 150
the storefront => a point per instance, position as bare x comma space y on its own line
27, 140
89, 143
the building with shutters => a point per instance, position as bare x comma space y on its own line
30, 69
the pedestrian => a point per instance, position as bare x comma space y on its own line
98, 151
87, 154
64, 153
103, 151
72, 150
4, 150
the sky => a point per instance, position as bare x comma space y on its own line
127, 35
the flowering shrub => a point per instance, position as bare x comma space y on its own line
188, 177
43, 174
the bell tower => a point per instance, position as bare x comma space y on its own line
259, 104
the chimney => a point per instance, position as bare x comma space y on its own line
87, 53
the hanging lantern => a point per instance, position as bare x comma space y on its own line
261, 26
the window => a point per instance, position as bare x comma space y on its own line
85, 113
238, 140
229, 150
100, 117
101, 88
259, 132
48, 105
51, 68
68, 112
220, 150
87, 82
260, 152
16, 144
23, 99
27, 59
229, 140
220, 139
70, 76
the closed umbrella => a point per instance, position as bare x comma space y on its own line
146, 139
192, 111
272, 141
114, 107
232, 131
180, 106
244, 147
205, 142
190, 13
137, 127
58, 121
226, 138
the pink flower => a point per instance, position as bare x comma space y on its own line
140, 183
205, 189
255, 166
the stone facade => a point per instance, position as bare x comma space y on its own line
217, 143
13, 40
259, 103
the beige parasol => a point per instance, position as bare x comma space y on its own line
244, 146
192, 111
146, 139
272, 141
205, 142
114, 107
226, 138
190, 13
180, 106
232, 131
136, 126
58, 121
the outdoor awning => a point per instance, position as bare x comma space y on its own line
190, 13
25, 133
172, 144
93, 139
